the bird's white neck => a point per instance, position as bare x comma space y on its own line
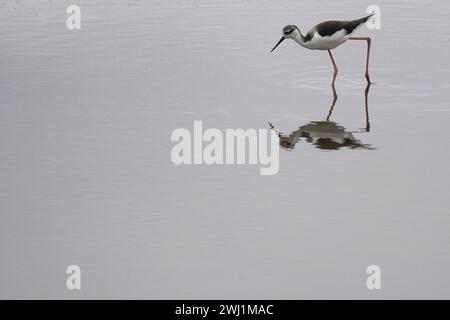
298, 37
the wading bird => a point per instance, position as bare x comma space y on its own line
327, 36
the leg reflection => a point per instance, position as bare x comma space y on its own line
366, 103
366, 106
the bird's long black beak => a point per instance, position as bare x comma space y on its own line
281, 40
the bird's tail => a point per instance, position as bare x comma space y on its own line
353, 25
366, 18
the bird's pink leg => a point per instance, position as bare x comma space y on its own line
368, 54
334, 67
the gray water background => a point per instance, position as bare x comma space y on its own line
86, 176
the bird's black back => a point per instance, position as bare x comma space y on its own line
328, 28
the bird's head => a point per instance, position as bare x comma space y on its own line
288, 32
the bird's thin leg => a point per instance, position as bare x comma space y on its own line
368, 54
334, 67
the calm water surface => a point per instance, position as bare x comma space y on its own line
86, 176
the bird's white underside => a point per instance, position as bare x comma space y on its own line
318, 42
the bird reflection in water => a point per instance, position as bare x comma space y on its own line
326, 135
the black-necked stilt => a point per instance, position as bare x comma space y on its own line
327, 36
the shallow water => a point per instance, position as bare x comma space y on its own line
86, 175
